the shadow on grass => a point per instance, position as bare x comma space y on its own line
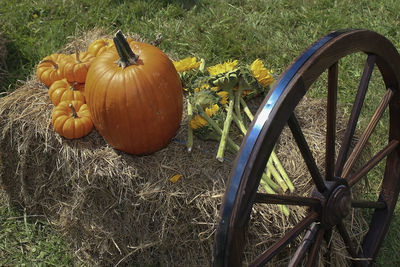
186, 4
14, 65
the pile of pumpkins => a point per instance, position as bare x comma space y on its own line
129, 91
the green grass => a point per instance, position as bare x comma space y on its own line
276, 31
29, 241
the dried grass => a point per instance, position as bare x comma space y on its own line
119, 209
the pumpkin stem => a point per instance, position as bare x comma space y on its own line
74, 114
158, 40
127, 57
77, 54
73, 86
55, 65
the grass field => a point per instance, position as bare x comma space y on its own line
275, 31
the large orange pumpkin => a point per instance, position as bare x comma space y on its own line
134, 95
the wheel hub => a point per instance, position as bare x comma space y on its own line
338, 205
335, 200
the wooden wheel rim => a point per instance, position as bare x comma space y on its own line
275, 112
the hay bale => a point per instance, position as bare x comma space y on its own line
120, 209
105, 201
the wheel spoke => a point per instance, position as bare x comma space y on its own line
355, 113
312, 256
306, 153
372, 162
306, 242
368, 204
285, 240
347, 241
328, 237
367, 133
287, 200
331, 121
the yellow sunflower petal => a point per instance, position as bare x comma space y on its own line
261, 73
222, 68
186, 64
212, 111
198, 122
202, 87
175, 178
223, 97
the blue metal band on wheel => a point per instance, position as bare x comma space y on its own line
257, 127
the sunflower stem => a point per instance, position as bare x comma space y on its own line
202, 65
269, 190
237, 122
284, 209
276, 175
127, 57
282, 171
217, 129
225, 131
266, 176
238, 97
246, 109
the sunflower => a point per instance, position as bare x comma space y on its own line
223, 97
205, 86
186, 64
212, 110
261, 73
198, 122
222, 68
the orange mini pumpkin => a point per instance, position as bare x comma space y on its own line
51, 68
62, 90
135, 98
71, 119
77, 66
99, 46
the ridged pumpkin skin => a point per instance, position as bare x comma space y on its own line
77, 66
137, 109
51, 68
62, 90
99, 46
69, 124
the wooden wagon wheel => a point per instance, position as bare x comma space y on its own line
331, 199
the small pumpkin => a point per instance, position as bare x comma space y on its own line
102, 45
99, 46
62, 90
135, 98
71, 119
51, 68
77, 66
